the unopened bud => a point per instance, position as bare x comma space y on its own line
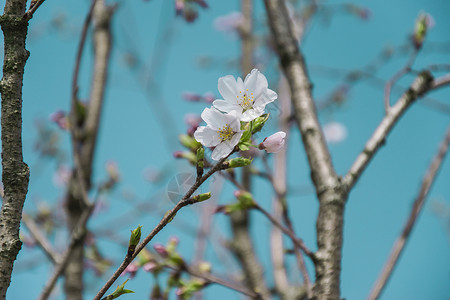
201, 197
191, 157
245, 198
189, 142
273, 143
259, 122
134, 239
238, 162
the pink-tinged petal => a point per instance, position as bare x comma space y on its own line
274, 143
228, 88
207, 136
226, 106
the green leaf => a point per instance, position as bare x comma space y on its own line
119, 291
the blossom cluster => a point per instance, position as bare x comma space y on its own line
230, 121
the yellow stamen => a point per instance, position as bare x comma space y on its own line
225, 133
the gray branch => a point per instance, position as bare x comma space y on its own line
400, 243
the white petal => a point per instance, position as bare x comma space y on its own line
228, 88
214, 118
265, 98
256, 83
251, 114
226, 106
234, 120
222, 150
207, 136
225, 148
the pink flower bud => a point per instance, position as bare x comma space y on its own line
209, 97
179, 6
150, 266
191, 96
273, 143
131, 269
161, 250
178, 154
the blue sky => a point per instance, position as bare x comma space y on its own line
134, 134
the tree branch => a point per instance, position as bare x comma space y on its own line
15, 173
329, 190
41, 239
209, 278
422, 84
241, 242
186, 200
416, 209
33, 7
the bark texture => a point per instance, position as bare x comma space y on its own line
15, 173
329, 189
84, 141
241, 244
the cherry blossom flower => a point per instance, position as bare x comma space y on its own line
334, 132
273, 143
247, 98
223, 131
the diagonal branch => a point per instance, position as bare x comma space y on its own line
40, 238
416, 209
422, 84
186, 200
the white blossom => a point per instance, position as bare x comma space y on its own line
247, 98
222, 131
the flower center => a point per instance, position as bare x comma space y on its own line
225, 133
246, 101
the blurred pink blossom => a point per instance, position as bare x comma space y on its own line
62, 175
334, 132
130, 269
229, 23
60, 118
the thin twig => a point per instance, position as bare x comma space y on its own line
278, 181
77, 233
297, 242
209, 278
29, 14
441, 81
164, 221
75, 130
422, 84
40, 238
416, 209
406, 69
